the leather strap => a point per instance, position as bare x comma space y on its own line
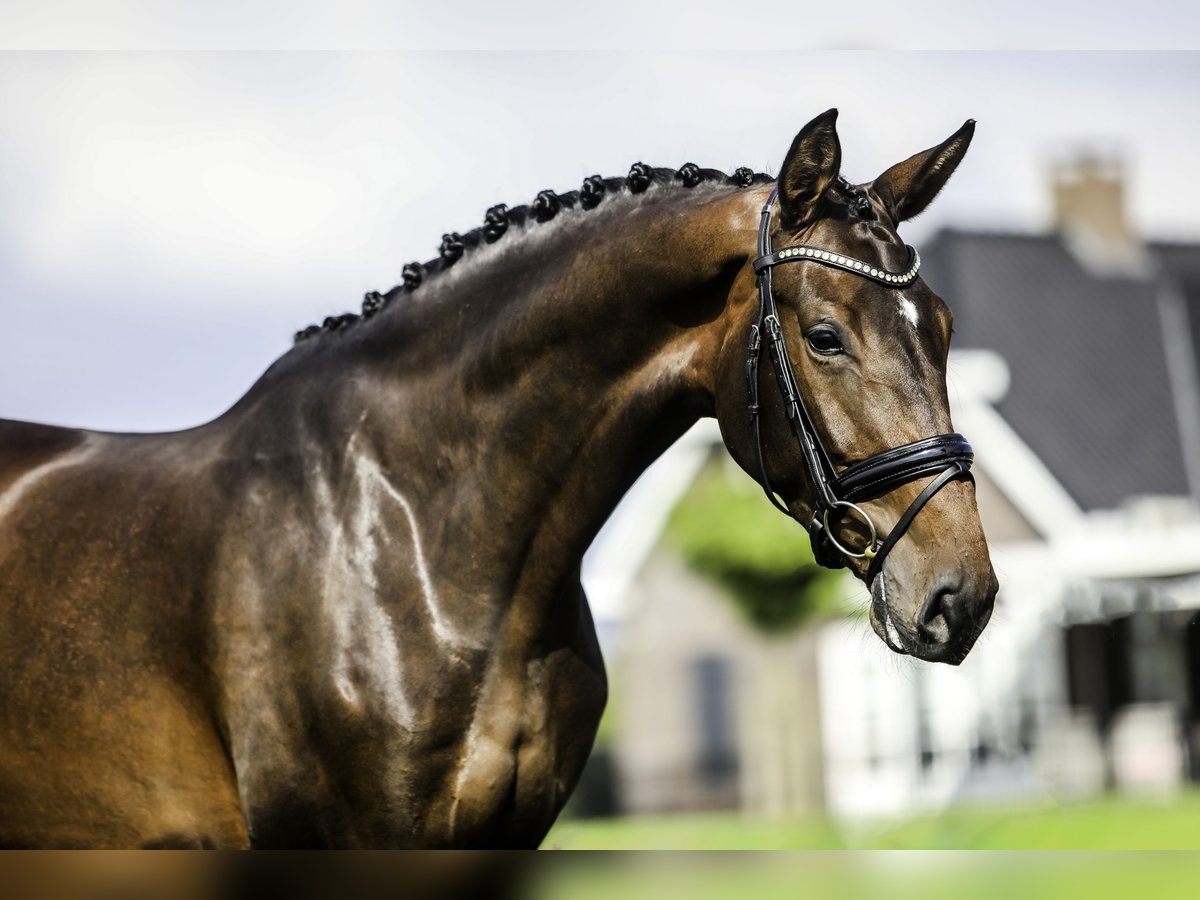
886, 471
951, 472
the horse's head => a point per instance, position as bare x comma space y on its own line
867, 342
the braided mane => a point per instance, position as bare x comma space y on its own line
545, 206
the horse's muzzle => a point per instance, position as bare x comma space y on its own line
949, 621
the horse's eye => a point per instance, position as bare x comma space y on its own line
825, 341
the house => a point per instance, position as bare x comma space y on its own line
1075, 377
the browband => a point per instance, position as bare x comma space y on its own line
847, 263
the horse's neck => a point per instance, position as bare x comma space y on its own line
511, 402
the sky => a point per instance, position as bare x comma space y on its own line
170, 219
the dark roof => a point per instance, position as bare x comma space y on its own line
1181, 262
1090, 393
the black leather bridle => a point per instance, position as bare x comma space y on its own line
946, 456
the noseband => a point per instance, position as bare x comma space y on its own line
946, 456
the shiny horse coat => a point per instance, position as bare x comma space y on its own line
348, 613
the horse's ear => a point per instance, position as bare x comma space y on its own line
810, 167
908, 187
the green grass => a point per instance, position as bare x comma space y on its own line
905, 876
1111, 823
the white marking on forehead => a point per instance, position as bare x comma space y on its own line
8, 500
908, 309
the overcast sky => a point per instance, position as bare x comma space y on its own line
169, 220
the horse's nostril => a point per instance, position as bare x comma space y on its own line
934, 630
954, 614
941, 617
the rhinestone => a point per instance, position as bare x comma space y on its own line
858, 265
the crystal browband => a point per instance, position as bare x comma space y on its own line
841, 261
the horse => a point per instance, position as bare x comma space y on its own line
347, 612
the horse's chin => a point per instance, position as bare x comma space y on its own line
882, 619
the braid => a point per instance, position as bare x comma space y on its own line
333, 323
451, 249
372, 303
743, 177
592, 192
546, 206
639, 178
412, 275
690, 174
495, 223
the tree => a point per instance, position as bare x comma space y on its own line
725, 528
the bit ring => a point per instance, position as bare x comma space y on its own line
872, 543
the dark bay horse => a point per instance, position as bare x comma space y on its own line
348, 611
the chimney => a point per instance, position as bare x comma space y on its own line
1089, 215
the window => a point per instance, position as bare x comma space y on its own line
714, 701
